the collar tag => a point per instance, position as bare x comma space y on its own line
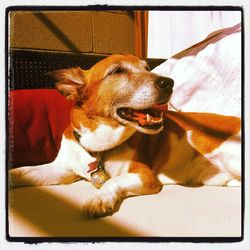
97, 173
96, 168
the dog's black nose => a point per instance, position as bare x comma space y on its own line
164, 83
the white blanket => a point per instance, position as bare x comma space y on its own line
208, 79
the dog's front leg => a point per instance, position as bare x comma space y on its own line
47, 174
139, 180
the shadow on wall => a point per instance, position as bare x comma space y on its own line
57, 32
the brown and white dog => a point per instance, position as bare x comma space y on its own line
120, 115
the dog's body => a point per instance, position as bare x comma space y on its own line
120, 115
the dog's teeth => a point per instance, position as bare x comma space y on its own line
148, 118
155, 121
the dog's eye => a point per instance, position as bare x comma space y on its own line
118, 70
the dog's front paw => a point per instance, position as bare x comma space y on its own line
102, 204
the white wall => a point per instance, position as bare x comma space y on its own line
173, 31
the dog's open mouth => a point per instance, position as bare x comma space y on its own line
147, 118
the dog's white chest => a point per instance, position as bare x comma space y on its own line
73, 156
104, 137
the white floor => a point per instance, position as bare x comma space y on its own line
177, 211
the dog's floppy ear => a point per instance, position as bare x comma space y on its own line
69, 82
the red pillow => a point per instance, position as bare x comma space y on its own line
37, 119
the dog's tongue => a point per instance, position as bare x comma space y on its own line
150, 116
140, 116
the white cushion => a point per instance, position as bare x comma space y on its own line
208, 79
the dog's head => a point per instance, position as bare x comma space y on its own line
120, 89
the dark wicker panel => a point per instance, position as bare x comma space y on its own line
28, 69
